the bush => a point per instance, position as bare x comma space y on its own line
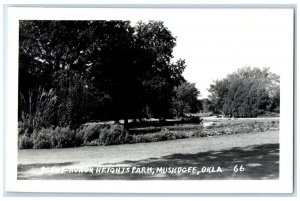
63, 137
90, 133
103, 134
21, 128
167, 135
60, 137
25, 141
240, 128
106, 134
116, 134
199, 133
42, 138
181, 134
163, 135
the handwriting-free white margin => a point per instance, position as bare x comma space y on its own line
283, 185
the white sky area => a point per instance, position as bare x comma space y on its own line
217, 42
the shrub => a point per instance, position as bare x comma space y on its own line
106, 134
116, 134
79, 134
60, 137
90, 133
199, 133
181, 135
240, 128
21, 128
143, 138
163, 135
42, 138
102, 134
130, 139
63, 137
25, 141
167, 135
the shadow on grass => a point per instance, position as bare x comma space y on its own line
259, 162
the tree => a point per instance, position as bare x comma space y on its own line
57, 54
100, 69
246, 93
161, 76
186, 99
206, 105
218, 92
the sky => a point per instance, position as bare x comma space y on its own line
217, 42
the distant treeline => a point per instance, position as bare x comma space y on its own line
72, 72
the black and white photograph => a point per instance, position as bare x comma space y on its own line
187, 94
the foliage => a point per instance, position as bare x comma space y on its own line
116, 134
91, 132
25, 141
45, 138
42, 139
73, 97
63, 137
206, 105
240, 128
151, 134
103, 134
157, 90
185, 99
160, 74
37, 110
163, 135
104, 70
248, 92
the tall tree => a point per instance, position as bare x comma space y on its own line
100, 69
48, 48
95, 53
162, 75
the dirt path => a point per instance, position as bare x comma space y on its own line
258, 152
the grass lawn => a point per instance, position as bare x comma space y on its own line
257, 152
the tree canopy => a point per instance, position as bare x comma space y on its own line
248, 92
100, 70
186, 99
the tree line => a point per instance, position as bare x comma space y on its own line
71, 72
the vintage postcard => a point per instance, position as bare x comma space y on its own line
195, 100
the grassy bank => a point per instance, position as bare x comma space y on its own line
106, 134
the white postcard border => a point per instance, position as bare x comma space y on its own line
283, 185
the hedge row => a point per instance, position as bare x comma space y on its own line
96, 135
65, 137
